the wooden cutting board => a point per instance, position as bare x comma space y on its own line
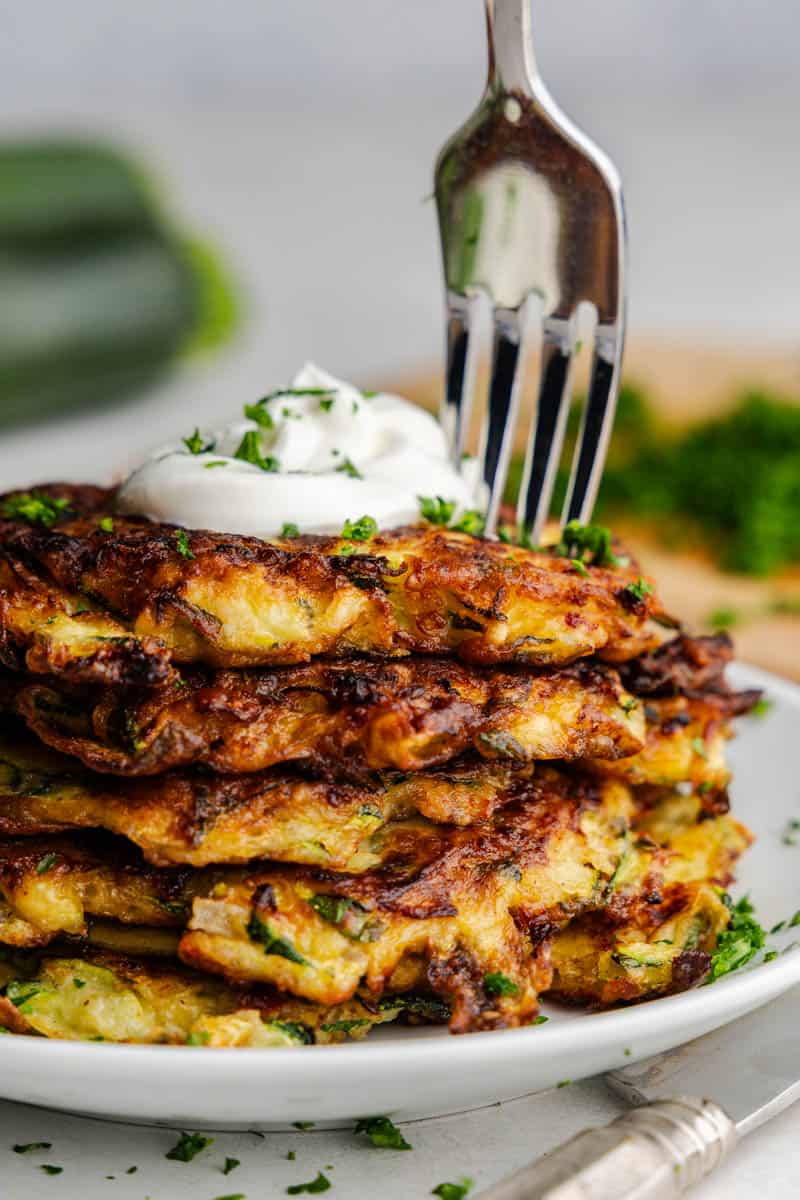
685, 382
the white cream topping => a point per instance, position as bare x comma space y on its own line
329, 453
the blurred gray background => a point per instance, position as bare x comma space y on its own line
302, 136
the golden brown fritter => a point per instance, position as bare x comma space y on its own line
198, 818
233, 601
85, 995
447, 910
343, 718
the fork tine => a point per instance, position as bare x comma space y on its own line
503, 403
598, 418
457, 402
547, 435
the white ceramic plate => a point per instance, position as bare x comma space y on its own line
415, 1073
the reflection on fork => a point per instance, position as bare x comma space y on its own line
529, 207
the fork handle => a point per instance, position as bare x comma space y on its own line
512, 65
656, 1152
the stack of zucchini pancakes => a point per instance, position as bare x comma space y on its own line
275, 793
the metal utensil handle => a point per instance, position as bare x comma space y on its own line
656, 1152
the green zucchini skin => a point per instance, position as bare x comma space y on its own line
98, 295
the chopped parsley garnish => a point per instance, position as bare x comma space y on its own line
259, 931
436, 509
78, 983
131, 1170
195, 444
304, 1124
320, 1184
740, 942
588, 544
628, 706
327, 402
249, 450
281, 392
505, 533
289, 530
471, 522
497, 984
453, 1191
188, 1146
106, 524
346, 467
182, 542
201, 1038
382, 1132
230, 1165
564, 1083
46, 863
216, 462
232, 1196
761, 707
369, 394
49, 1169
639, 590
580, 567
259, 414
29, 1147
789, 837
331, 908
361, 530
34, 507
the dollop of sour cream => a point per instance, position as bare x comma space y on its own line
310, 456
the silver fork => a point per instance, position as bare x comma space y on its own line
529, 205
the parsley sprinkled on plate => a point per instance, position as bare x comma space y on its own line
383, 1133
196, 444
188, 1146
347, 467
259, 414
471, 522
303, 1124
639, 591
289, 530
740, 942
49, 1169
453, 1191
46, 863
230, 1165
320, 1184
29, 1147
106, 524
436, 509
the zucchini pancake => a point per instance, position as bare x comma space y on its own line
274, 792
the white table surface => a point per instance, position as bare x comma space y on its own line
485, 1145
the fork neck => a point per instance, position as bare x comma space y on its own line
512, 65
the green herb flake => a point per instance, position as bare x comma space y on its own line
230, 1165
259, 414
580, 567
345, 1026
562, 1083
628, 706
453, 1191
216, 462
182, 543
289, 530
326, 403
46, 863
762, 708
471, 522
589, 543
639, 590
106, 524
740, 942
188, 1146
34, 507
383, 1133
361, 530
291, 1155
201, 1038
795, 920
436, 509
541, 1019
249, 451
347, 467
497, 984
320, 1184
259, 931
79, 983
131, 1170
232, 1196
304, 1124
49, 1169
505, 534
30, 1147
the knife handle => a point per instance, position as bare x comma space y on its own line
656, 1152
